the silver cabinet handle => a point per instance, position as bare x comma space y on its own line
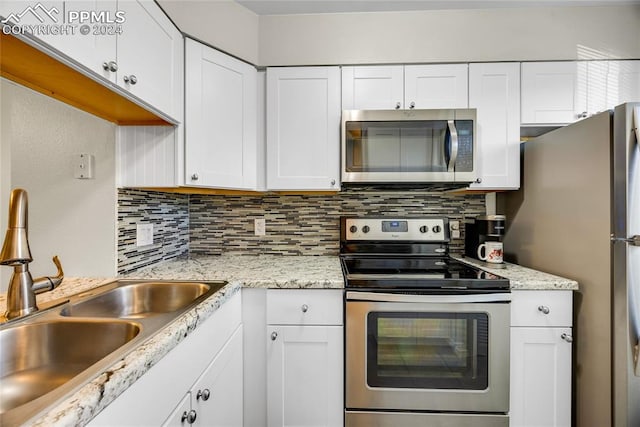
567, 337
582, 115
305, 308
274, 335
398, 105
333, 182
189, 417
130, 79
110, 66
544, 309
203, 394
412, 105
194, 177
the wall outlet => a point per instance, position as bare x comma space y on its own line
454, 227
83, 166
144, 234
260, 226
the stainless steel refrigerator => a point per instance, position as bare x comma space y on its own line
577, 215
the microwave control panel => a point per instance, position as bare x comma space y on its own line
464, 162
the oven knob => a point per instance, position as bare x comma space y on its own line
424, 229
365, 229
437, 228
353, 229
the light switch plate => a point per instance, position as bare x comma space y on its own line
144, 234
260, 226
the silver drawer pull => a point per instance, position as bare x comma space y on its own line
274, 335
543, 309
203, 394
305, 308
567, 337
189, 417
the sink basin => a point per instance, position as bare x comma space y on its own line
39, 357
140, 300
45, 356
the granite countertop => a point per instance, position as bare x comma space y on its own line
262, 271
523, 278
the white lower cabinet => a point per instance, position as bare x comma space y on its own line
304, 358
541, 337
210, 358
215, 400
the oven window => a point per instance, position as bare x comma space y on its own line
427, 350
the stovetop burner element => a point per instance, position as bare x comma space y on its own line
407, 254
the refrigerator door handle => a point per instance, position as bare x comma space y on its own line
633, 240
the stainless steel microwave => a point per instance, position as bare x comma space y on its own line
409, 146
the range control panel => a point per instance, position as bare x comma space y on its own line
404, 229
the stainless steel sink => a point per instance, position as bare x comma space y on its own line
47, 355
39, 357
140, 300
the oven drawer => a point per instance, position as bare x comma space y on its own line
541, 308
304, 307
396, 419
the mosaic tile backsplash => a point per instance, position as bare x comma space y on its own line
295, 224
169, 214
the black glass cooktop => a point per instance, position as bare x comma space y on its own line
406, 273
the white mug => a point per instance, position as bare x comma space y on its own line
493, 252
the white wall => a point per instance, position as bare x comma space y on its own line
451, 36
222, 23
72, 218
5, 181
499, 34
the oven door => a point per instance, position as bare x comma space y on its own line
427, 352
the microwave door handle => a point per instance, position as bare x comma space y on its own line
453, 151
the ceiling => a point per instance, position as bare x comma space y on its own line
292, 7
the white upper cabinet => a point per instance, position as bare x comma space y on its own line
130, 43
436, 86
381, 87
303, 128
150, 54
494, 91
551, 94
563, 92
376, 87
221, 117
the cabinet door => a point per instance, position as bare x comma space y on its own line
553, 92
304, 376
494, 90
179, 416
217, 394
623, 82
221, 106
303, 128
373, 87
150, 56
540, 377
92, 49
436, 86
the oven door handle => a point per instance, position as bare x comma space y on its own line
436, 299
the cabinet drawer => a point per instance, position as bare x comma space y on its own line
304, 307
541, 308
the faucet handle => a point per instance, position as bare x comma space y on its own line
44, 284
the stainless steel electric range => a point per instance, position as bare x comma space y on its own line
426, 336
